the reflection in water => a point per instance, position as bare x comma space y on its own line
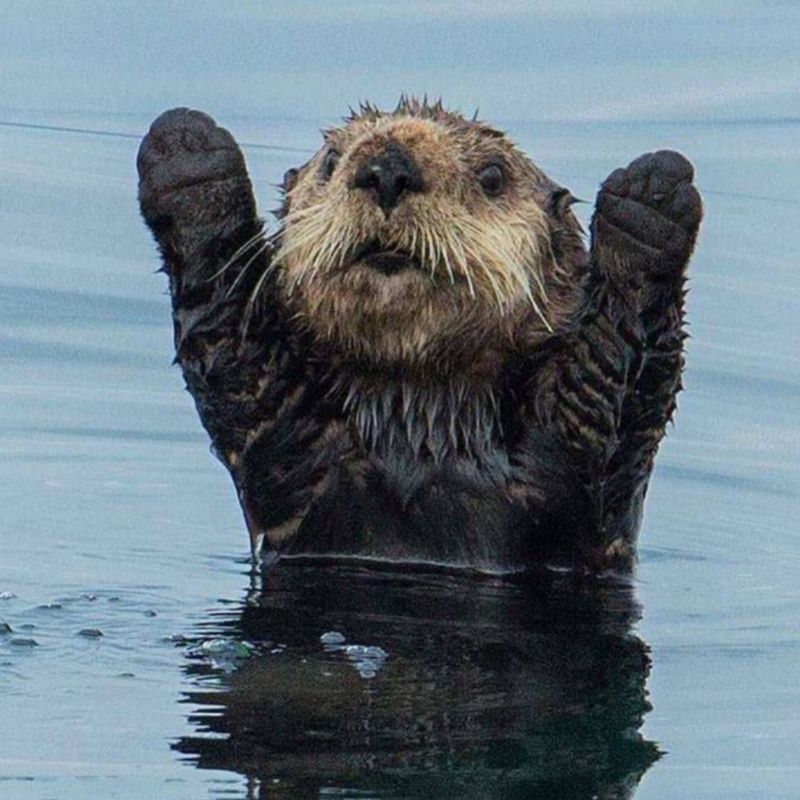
370, 683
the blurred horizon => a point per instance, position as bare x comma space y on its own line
516, 61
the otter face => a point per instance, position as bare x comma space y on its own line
414, 233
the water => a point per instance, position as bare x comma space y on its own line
206, 682
475, 688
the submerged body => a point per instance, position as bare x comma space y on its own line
425, 362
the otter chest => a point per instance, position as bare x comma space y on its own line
404, 476
397, 505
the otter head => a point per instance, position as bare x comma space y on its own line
418, 235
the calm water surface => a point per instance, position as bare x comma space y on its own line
139, 658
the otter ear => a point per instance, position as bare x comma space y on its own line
286, 185
559, 201
289, 180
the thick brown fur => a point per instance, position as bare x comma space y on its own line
425, 361
486, 275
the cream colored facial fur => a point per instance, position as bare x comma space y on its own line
480, 265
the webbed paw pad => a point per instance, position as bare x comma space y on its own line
650, 211
184, 149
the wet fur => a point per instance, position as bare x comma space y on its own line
487, 262
499, 404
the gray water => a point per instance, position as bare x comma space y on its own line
351, 682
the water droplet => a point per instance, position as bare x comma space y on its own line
367, 666
367, 659
215, 646
226, 648
332, 637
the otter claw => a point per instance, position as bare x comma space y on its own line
649, 212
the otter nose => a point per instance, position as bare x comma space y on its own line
390, 174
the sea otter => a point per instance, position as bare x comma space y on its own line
424, 362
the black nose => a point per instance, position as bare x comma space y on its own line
390, 174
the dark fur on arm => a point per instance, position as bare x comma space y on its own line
609, 389
238, 358
648, 216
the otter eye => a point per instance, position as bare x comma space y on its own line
329, 164
493, 179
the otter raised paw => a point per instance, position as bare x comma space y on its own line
424, 362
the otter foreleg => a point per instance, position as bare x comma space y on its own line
579, 400
643, 233
197, 199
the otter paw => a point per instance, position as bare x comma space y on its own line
184, 152
649, 212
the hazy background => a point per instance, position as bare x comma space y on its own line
521, 61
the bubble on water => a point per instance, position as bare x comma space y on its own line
367, 659
367, 668
20, 642
224, 654
90, 633
217, 646
332, 637
214, 646
7, 595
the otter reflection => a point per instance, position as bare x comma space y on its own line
424, 684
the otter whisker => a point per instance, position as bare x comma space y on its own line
300, 239
414, 240
332, 252
265, 246
456, 251
429, 254
240, 252
250, 304
435, 255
